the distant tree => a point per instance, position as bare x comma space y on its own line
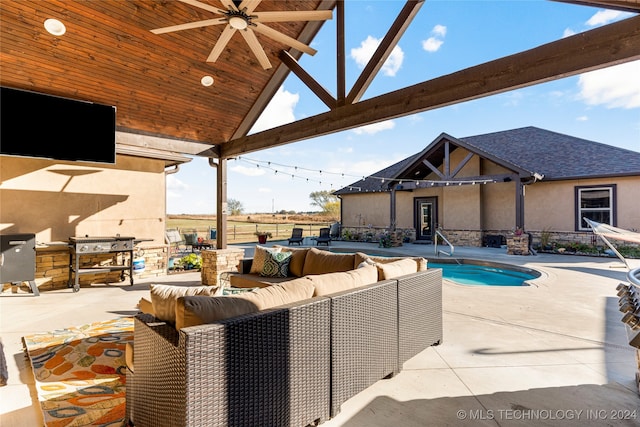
327, 201
235, 207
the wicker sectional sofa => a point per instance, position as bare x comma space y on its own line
289, 365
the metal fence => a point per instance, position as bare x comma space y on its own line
247, 232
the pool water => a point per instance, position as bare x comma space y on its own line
482, 275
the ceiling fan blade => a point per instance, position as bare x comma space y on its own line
201, 5
250, 5
189, 25
301, 15
229, 4
283, 38
221, 43
257, 49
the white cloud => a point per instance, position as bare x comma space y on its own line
278, 112
513, 99
568, 32
613, 87
243, 170
264, 190
582, 118
362, 54
603, 17
175, 187
433, 43
439, 30
375, 127
345, 150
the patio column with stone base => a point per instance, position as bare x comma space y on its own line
218, 261
518, 245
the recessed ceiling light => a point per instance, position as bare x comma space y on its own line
206, 81
54, 27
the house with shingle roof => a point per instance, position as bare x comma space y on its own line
489, 185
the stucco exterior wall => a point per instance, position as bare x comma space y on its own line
498, 206
551, 205
57, 200
364, 209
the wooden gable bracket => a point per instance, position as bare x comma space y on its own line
388, 43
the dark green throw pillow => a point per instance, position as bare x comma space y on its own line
276, 264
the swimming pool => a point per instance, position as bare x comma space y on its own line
470, 272
467, 272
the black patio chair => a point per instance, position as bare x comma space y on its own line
324, 238
296, 236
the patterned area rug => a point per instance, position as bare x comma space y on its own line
80, 373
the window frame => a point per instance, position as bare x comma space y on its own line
613, 208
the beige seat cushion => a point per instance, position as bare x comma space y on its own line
146, 306
198, 310
163, 298
396, 268
298, 257
360, 257
331, 283
259, 257
320, 262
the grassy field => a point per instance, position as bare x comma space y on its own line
241, 229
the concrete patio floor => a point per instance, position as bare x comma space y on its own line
554, 353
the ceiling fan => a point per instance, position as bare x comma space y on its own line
238, 16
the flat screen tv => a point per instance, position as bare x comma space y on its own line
38, 125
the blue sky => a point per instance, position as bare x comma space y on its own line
444, 37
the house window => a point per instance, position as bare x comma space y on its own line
597, 204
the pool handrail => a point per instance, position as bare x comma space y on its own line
633, 276
444, 239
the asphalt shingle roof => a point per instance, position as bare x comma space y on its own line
554, 155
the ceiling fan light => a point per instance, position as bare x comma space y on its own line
238, 22
54, 27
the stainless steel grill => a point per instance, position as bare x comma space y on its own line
101, 244
88, 245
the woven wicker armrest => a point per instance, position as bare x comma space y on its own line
419, 312
264, 368
364, 339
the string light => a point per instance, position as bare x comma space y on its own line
428, 183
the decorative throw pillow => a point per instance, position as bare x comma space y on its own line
396, 268
276, 264
259, 256
163, 298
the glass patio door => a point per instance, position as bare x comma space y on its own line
425, 216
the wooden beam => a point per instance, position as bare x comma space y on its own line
222, 209
281, 73
341, 73
623, 5
388, 43
446, 167
461, 164
307, 79
434, 169
608, 45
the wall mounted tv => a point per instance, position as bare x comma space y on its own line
37, 125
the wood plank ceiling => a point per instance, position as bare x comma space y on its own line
109, 56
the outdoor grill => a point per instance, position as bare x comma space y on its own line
18, 260
89, 245
101, 245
